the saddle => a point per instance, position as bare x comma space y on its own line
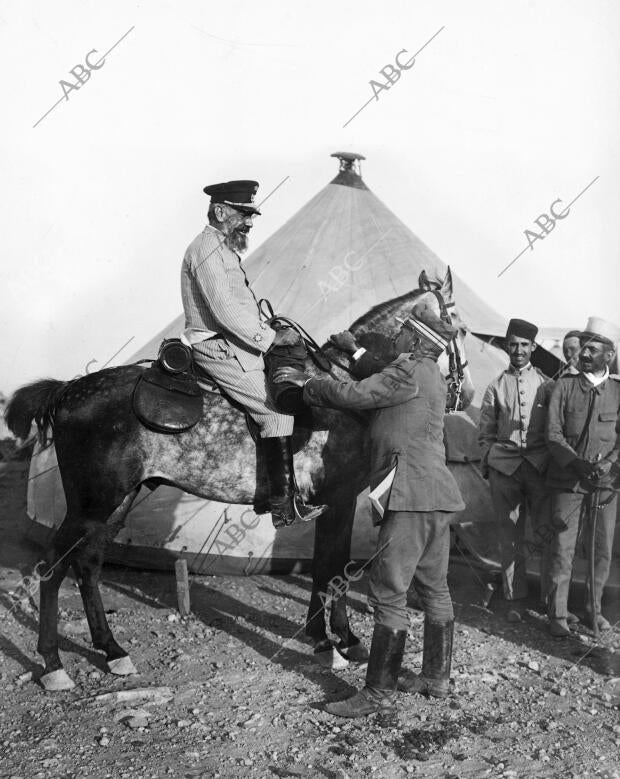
167, 397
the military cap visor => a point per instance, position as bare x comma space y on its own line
238, 194
424, 330
587, 337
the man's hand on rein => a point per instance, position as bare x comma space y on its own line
603, 475
290, 376
344, 341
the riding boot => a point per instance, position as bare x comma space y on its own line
436, 662
379, 694
286, 504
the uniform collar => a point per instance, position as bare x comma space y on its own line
596, 381
519, 371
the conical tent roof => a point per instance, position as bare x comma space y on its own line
337, 257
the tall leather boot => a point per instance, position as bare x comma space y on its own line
287, 507
436, 662
379, 694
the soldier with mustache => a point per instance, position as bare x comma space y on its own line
583, 430
224, 327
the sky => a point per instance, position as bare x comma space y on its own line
510, 107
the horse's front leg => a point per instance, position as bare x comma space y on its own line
349, 646
329, 581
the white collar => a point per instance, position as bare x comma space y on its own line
519, 371
596, 380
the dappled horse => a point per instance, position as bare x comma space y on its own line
105, 454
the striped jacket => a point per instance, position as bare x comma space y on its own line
218, 300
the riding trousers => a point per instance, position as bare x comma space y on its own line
566, 510
412, 546
215, 359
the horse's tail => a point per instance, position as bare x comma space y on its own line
34, 402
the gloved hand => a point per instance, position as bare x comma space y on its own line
345, 342
286, 336
602, 474
583, 468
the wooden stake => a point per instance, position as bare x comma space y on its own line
180, 569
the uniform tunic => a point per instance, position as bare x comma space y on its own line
224, 327
584, 422
515, 458
406, 430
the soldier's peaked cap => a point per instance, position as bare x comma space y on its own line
522, 329
239, 194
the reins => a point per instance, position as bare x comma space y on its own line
317, 355
456, 366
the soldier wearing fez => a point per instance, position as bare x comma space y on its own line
224, 327
408, 400
515, 457
583, 438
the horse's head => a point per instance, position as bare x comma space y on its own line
436, 295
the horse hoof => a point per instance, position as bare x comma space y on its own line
331, 658
55, 681
356, 653
122, 666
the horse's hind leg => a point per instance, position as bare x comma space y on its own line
87, 566
54, 676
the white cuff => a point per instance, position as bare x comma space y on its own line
356, 355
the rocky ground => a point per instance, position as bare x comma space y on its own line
233, 690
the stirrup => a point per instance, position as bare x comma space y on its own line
294, 511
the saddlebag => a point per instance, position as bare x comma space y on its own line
167, 397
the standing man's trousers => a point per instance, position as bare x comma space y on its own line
215, 358
512, 496
566, 509
413, 546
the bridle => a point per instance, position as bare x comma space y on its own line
456, 366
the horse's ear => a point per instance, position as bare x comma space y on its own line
447, 287
423, 281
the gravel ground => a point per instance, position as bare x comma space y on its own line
234, 691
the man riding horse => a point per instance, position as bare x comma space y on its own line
229, 339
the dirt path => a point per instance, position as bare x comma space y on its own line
238, 697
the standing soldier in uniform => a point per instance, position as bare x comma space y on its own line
570, 350
583, 432
515, 457
229, 339
408, 398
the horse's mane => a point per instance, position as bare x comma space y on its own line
382, 311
